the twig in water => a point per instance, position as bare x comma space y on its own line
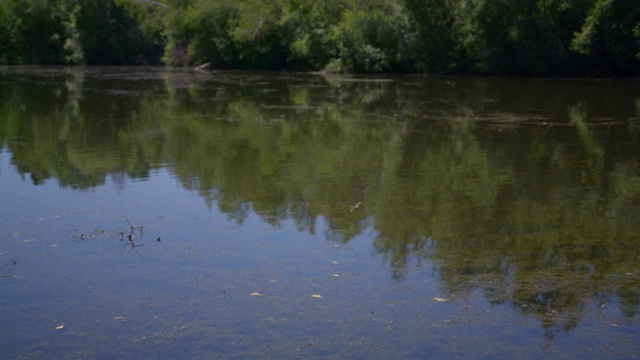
132, 235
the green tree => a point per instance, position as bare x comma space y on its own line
506, 37
38, 32
374, 36
609, 39
201, 33
312, 46
436, 35
110, 33
264, 33
517, 37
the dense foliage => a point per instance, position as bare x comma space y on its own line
531, 37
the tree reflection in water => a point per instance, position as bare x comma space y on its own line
527, 190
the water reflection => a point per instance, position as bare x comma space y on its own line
528, 190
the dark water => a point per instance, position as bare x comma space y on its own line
174, 214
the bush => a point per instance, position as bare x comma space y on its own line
374, 36
38, 32
201, 34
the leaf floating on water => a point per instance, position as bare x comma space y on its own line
255, 294
316, 296
60, 327
439, 299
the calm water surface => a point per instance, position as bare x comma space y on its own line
174, 214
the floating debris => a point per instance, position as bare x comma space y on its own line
202, 67
439, 299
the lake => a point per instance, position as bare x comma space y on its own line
158, 213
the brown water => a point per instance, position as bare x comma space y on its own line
174, 214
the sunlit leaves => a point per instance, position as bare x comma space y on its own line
608, 38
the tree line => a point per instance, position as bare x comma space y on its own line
503, 37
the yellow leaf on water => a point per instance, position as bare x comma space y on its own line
60, 327
316, 296
439, 299
255, 294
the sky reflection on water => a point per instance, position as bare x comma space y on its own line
483, 230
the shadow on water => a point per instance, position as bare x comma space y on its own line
499, 214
